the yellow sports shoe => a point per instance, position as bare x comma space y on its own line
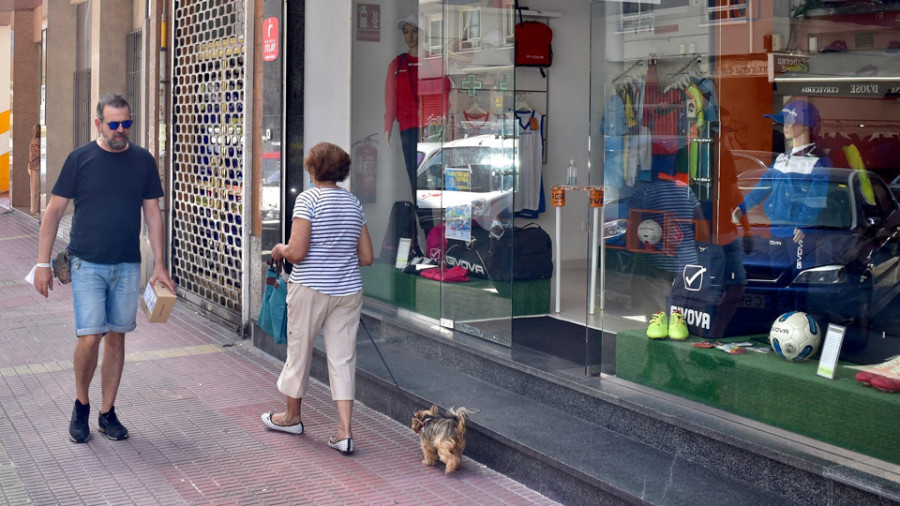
659, 327
677, 327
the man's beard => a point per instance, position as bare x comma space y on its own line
116, 141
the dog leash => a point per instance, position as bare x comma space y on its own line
403, 397
383, 361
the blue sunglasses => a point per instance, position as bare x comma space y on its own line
114, 125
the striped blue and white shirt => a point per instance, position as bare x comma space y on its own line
331, 266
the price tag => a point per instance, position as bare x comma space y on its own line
402, 252
831, 350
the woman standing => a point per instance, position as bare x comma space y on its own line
34, 170
329, 241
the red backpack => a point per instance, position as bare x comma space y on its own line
533, 43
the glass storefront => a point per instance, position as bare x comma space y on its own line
745, 255
446, 154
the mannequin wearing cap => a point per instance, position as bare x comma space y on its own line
791, 172
401, 91
797, 172
410, 86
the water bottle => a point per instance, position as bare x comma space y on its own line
572, 173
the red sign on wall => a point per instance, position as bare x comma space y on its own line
270, 39
368, 22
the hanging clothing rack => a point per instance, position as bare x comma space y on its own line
629, 69
695, 60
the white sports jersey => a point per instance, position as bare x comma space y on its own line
531, 142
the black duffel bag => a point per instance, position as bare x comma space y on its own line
473, 255
520, 254
526, 253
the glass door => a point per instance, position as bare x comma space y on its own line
473, 179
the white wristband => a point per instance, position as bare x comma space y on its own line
42, 265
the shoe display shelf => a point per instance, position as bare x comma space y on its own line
768, 389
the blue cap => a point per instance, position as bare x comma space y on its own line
797, 111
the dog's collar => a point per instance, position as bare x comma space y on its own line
426, 420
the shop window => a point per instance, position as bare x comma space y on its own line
727, 10
435, 35
636, 17
470, 28
509, 23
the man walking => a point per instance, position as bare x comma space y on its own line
110, 181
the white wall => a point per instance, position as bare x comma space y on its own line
327, 58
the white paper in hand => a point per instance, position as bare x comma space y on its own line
30, 277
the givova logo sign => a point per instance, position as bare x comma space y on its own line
472, 267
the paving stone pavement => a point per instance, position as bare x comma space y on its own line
191, 396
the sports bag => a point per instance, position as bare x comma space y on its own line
473, 255
528, 249
533, 39
697, 290
526, 253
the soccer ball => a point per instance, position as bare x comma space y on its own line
795, 336
649, 232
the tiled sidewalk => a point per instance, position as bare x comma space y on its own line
191, 397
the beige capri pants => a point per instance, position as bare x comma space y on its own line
338, 317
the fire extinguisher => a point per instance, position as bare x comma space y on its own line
365, 169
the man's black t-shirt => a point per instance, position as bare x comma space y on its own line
108, 190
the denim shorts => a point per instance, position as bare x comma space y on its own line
105, 296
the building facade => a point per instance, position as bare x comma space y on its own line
699, 198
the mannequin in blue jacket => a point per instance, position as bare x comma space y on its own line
796, 172
791, 174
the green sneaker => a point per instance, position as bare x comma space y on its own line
677, 327
659, 327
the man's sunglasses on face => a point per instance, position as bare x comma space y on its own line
114, 125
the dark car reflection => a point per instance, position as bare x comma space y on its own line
851, 257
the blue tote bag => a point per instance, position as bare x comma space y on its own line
273, 311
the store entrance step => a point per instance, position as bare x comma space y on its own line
583, 439
555, 452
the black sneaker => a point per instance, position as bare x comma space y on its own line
79, 431
109, 424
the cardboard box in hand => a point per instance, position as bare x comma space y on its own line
158, 302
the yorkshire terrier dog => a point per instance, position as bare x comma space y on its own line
442, 437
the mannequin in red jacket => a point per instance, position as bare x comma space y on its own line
415, 93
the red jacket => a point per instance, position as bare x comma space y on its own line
405, 94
